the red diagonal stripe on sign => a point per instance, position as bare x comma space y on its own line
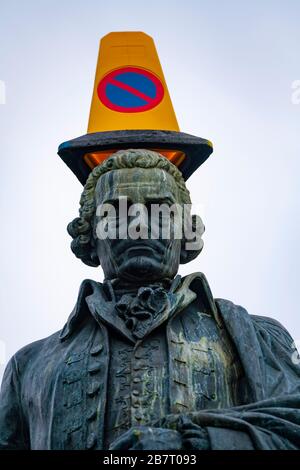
130, 89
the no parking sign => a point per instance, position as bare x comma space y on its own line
130, 90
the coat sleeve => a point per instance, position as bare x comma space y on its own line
13, 430
272, 423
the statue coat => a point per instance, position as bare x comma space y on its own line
55, 392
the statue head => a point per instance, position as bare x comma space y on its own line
135, 220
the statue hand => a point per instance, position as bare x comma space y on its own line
148, 438
193, 436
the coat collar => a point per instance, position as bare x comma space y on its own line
93, 300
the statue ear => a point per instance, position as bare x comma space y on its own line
192, 235
93, 249
94, 258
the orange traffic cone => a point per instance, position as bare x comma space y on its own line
131, 108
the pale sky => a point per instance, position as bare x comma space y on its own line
230, 67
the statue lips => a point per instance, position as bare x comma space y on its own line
140, 247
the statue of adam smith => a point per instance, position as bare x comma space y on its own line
150, 360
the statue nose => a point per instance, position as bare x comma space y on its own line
139, 219
144, 217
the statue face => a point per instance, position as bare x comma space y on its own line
138, 259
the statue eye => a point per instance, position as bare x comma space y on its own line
156, 202
114, 209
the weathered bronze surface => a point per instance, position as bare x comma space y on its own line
147, 359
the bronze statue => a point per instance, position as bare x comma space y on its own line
147, 359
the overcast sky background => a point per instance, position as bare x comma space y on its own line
229, 67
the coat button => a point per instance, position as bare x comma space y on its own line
93, 389
135, 393
138, 355
94, 368
136, 403
96, 350
91, 441
92, 414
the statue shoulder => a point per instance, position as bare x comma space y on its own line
26, 356
274, 328
266, 327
